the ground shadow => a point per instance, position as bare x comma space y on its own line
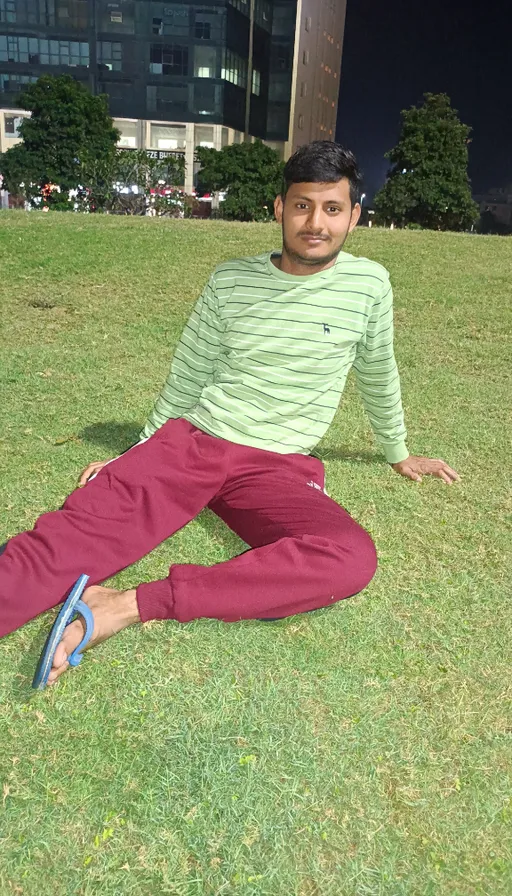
362, 457
115, 437
19, 688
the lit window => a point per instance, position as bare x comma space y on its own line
205, 62
169, 137
203, 136
234, 69
256, 82
128, 133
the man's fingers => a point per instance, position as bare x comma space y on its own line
416, 467
445, 477
444, 472
85, 476
88, 472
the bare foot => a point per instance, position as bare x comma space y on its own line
112, 611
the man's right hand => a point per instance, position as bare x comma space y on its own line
90, 470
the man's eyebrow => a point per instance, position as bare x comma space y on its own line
326, 201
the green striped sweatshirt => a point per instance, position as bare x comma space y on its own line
264, 356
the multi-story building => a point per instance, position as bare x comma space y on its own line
179, 75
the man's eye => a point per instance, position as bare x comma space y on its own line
301, 205
334, 208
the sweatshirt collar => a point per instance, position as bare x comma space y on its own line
301, 278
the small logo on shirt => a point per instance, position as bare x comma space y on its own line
326, 329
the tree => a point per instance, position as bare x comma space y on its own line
428, 184
68, 127
490, 223
132, 183
250, 173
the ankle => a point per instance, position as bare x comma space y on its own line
128, 607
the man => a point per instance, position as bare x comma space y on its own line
254, 384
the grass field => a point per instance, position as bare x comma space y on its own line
357, 752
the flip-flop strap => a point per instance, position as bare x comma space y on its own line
75, 657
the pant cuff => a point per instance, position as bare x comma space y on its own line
155, 600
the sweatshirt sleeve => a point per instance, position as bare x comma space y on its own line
192, 364
378, 381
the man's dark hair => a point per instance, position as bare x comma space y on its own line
323, 162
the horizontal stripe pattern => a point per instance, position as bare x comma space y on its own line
264, 356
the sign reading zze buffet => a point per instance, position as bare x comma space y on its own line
156, 153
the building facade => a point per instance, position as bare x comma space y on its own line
179, 75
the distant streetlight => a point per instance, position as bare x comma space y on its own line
363, 197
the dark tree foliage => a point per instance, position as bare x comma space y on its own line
250, 173
428, 185
68, 127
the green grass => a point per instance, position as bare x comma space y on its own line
357, 752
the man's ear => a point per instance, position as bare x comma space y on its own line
278, 209
354, 217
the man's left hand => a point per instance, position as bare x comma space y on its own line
415, 467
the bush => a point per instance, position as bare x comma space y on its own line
250, 174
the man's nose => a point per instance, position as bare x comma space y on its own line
315, 222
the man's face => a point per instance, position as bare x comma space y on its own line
316, 220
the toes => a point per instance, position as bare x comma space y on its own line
60, 656
55, 673
71, 638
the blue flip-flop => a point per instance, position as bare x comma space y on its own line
72, 607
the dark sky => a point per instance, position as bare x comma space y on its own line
396, 51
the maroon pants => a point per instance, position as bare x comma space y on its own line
306, 550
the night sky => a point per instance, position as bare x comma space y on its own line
396, 51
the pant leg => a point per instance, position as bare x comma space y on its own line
307, 550
131, 506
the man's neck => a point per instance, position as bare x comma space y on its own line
285, 264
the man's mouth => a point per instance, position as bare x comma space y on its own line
309, 238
